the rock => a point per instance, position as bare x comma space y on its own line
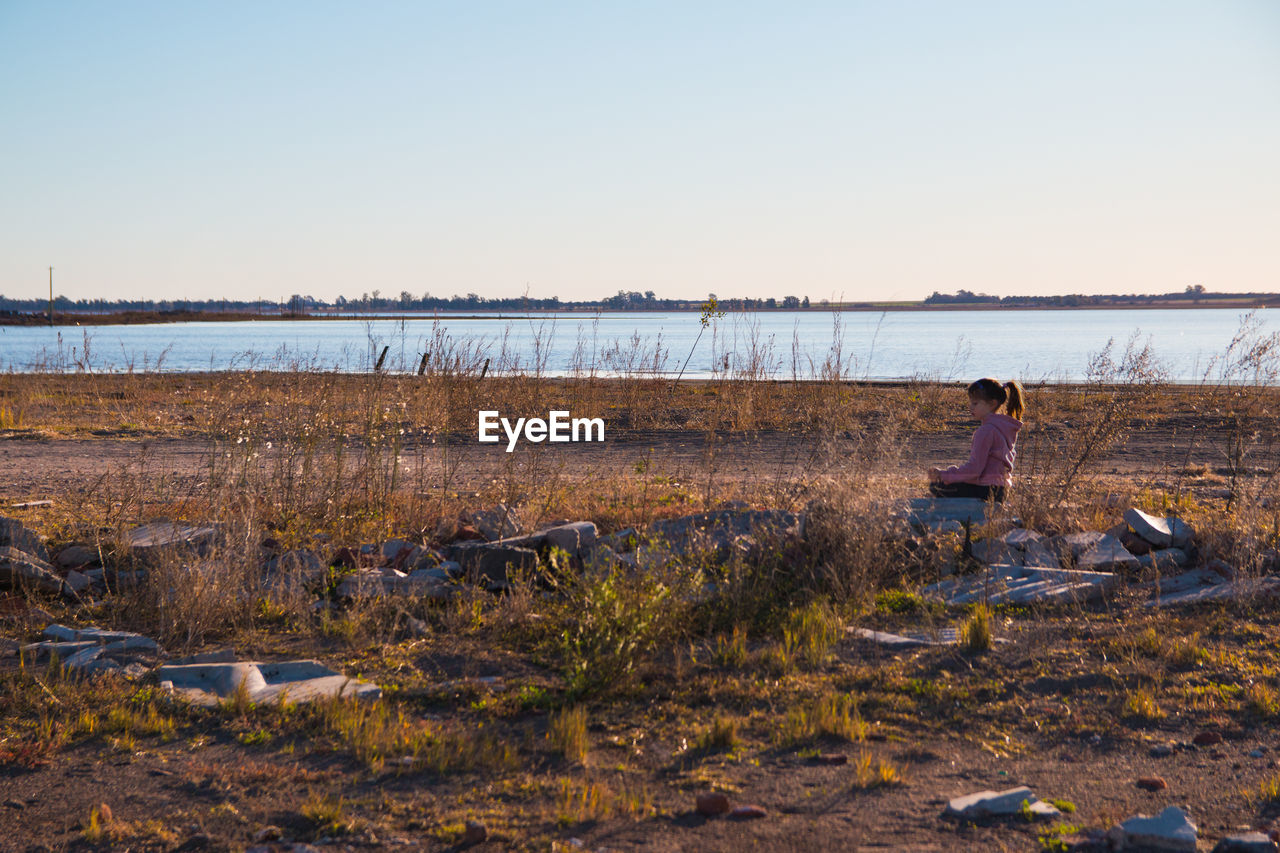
1107, 555
475, 832
15, 535
1170, 830
1160, 532
1249, 842
748, 813
77, 582
297, 680
1037, 555
1020, 538
992, 551
392, 548
1207, 738
22, 570
1152, 783
573, 538
943, 514
77, 557
711, 803
985, 804
482, 562
497, 523
1161, 750
155, 539
1070, 546
1164, 560
832, 758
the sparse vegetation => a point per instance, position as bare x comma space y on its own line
697, 673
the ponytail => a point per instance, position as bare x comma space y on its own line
1016, 403
1010, 395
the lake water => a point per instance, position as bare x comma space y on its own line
952, 345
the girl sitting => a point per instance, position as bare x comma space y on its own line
990, 467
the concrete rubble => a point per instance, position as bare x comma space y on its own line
942, 515
1021, 585
1246, 842
992, 804
294, 681
1171, 830
163, 538
91, 650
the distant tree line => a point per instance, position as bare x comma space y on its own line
1193, 294
374, 301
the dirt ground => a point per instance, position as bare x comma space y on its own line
36, 468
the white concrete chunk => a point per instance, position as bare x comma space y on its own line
1170, 830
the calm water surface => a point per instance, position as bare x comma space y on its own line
1030, 345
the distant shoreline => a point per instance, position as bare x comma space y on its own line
127, 318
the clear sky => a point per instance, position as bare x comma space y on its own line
866, 150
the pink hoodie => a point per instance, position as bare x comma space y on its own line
991, 459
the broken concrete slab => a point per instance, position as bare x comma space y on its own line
1247, 842
994, 551
91, 650
988, 804
1171, 830
491, 562
296, 681
706, 530
1107, 555
77, 557
1069, 546
14, 534
22, 570
1164, 560
942, 514
573, 537
1021, 585
1021, 537
1201, 585
499, 522
942, 637
1036, 555
155, 538
1160, 532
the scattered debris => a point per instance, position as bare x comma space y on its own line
92, 650
295, 680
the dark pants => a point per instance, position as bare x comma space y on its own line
967, 490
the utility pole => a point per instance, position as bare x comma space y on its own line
50, 296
